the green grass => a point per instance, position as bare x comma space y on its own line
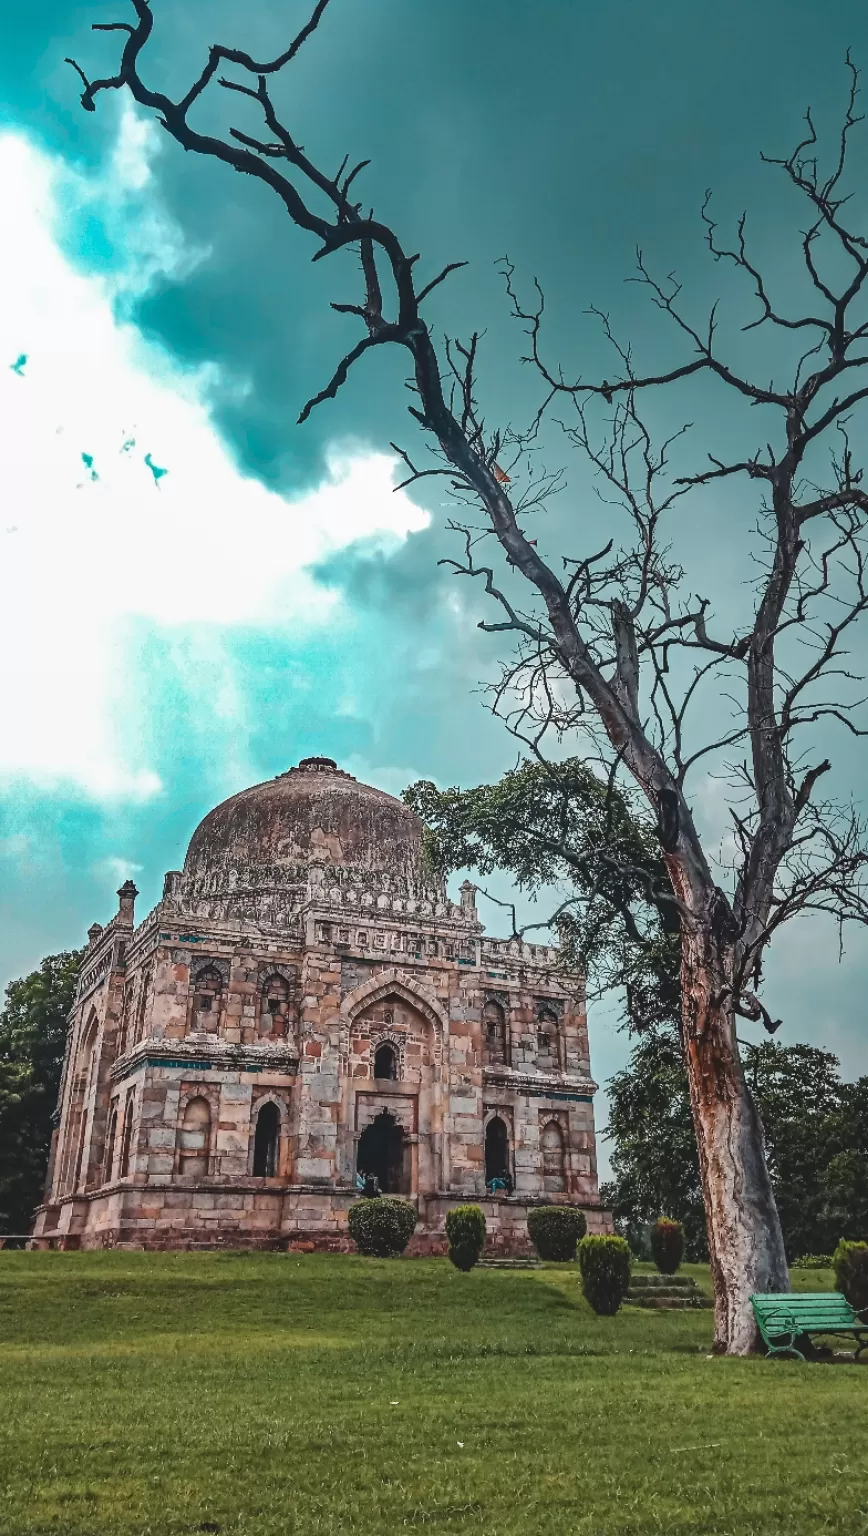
168, 1394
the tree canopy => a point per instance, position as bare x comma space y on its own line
32, 1042
816, 1137
564, 833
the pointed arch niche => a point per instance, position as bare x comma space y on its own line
269, 1156
80, 1105
393, 1063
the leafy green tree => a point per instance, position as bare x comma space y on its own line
32, 1042
816, 1135
558, 825
654, 1161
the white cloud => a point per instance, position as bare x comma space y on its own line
91, 535
115, 868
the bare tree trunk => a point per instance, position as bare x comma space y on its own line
745, 1241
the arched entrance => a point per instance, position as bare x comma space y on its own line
266, 1141
381, 1152
496, 1150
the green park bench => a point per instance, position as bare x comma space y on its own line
784, 1319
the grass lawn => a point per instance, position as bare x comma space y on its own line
255, 1394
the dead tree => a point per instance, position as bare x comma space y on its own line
615, 626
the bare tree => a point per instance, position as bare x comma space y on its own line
616, 645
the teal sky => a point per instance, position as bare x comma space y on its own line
266, 598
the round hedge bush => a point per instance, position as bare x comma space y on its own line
850, 1263
605, 1264
383, 1227
667, 1244
555, 1230
465, 1229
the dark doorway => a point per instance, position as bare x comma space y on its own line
494, 1034
386, 1061
496, 1150
265, 1142
381, 1152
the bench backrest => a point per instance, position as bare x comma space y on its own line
812, 1310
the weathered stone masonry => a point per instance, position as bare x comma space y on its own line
303, 1004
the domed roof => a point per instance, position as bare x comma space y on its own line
313, 814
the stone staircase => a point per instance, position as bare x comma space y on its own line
508, 1263
666, 1293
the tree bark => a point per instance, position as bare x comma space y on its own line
745, 1241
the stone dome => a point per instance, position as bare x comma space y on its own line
314, 814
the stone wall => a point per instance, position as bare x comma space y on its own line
310, 1220
185, 1027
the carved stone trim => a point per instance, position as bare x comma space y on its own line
289, 973
218, 963
392, 983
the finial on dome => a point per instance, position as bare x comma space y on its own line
315, 765
318, 765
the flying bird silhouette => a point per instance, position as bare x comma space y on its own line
19, 364
155, 469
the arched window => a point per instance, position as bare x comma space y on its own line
494, 1034
274, 1008
497, 1152
386, 1061
266, 1142
108, 1167
142, 1011
84, 1082
127, 1136
547, 1040
195, 1139
552, 1149
126, 1010
206, 1001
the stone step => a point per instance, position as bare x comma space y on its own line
666, 1293
663, 1290
509, 1264
665, 1282
670, 1303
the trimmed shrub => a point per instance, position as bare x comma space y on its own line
555, 1230
667, 1244
465, 1229
605, 1263
812, 1261
382, 1228
850, 1263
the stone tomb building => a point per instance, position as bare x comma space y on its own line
303, 1004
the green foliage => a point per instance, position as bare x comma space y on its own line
382, 1228
605, 1263
816, 1132
555, 1230
32, 1043
667, 1244
813, 1261
850, 1263
465, 1229
654, 1159
558, 824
